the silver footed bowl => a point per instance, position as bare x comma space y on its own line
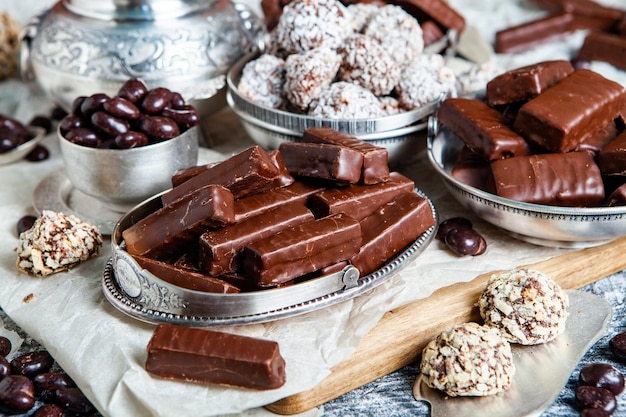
80, 47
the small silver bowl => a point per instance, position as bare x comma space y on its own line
122, 178
568, 227
24, 149
399, 133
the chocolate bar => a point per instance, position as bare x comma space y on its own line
185, 278
564, 114
284, 178
592, 15
438, 11
472, 169
431, 32
358, 201
321, 160
594, 142
535, 32
527, 82
481, 128
166, 231
391, 228
375, 158
183, 174
207, 356
248, 172
301, 249
617, 197
570, 179
612, 158
604, 47
219, 248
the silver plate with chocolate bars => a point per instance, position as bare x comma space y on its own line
141, 295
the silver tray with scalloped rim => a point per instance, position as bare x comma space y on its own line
142, 295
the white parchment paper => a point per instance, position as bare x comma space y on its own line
105, 351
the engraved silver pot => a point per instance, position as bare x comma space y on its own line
82, 47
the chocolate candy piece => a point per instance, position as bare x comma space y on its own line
375, 158
249, 172
571, 179
358, 201
596, 141
188, 354
320, 160
472, 169
301, 249
390, 228
284, 177
219, 249
612, 158
604, 47
184, 277
592, 15
526, 35
431, 32
481, 128
617, 197
438, 11
563, 115
164, 231
527, 82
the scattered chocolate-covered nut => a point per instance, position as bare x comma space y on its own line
43, 122
73, 401
58, 113
5, 367
617, 344
48, 410
465, 242
39, 153
594, 397
17, 394
5, 345
12, 134
48, 383
32, 363
452, 223
23, 224
602, 375
133, 90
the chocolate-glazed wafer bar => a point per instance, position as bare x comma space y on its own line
358, 201
390, 228
321, 160
595, 141
612, 158
301, 249
604, 47
472, 169
200, 355
526, 35
219, 249
617, 197
166, 231
438, 11
481, 128
248, 172
527, 82
564, 114
375, 158
185, 278
570, 179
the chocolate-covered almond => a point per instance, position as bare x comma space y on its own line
133, 90
17, 394
156, 100
184, 116
159, 128
108, 124
121, 108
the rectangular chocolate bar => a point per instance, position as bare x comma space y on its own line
564, 114
358, 201
207, 356
301, 249
595, 141
184, 174
375, 158
535, 32
527, 82
592, 15
617, 197
390, 229
481, 128
570, 179
220, 248
612, 158
438, 11
320, 160
604, 47
166, 231
472, 169
185, 278
284, 178
248, 172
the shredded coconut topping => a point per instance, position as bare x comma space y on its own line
56, 242
262, 81
424, 81
476, 78
343, 100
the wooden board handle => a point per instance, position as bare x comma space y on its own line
401, 334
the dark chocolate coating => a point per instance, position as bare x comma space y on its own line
564, 114
191, 354
612, 158
375, 158
527, 82
358, 201
481, 128
472, 169
325, 161
301, 249
526, 35
560, 179
390, 228
438, 11
594, 142
604, 47
167, 230
185, 278
617, 197
219, 249
249, 172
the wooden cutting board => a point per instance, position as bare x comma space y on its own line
401, 334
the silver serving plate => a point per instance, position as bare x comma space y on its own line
142, 295
24, 149
570, 227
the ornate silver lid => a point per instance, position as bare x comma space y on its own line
136, 9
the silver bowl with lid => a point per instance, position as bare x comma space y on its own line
81, 47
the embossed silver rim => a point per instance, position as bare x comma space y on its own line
120, 300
